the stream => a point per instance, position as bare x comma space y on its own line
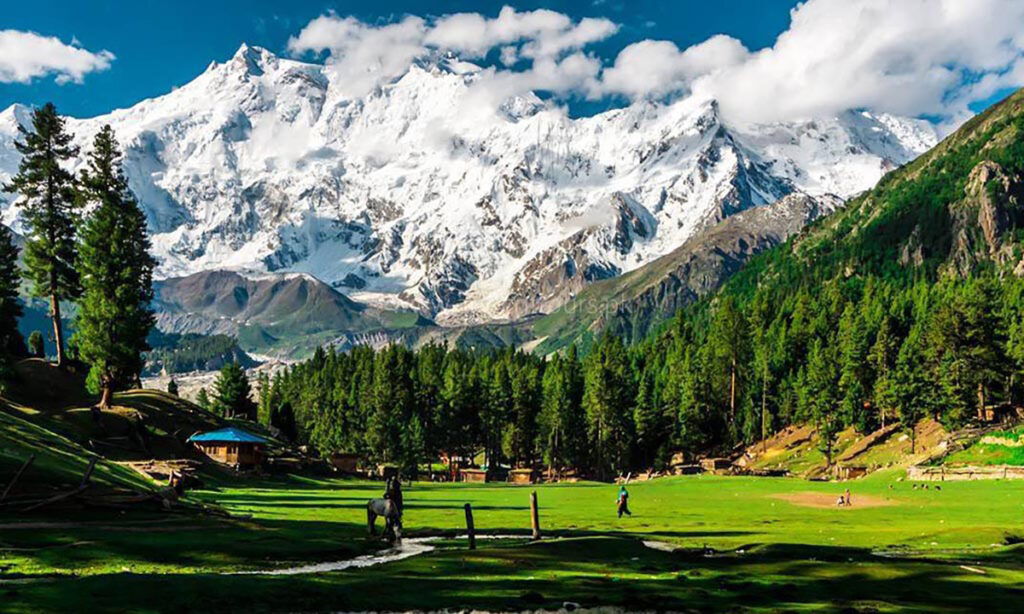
409, 548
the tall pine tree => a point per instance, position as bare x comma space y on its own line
50, 213
232, 394
116, 270
11, 341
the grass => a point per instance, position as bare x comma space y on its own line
907, 555
743, 545
996, 448
60, 462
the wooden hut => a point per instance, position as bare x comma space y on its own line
522, 476
346, 462
231, 446
473, 475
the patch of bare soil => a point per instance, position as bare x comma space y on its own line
827, 500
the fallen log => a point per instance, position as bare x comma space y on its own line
69, 494
57, 498
14, 480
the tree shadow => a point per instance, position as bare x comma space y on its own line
590, 571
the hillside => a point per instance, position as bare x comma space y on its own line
954, 211
46, 412
908, 302
631, 304
280, 315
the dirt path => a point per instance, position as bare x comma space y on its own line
828, 500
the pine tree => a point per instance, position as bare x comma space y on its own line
647, 419
11, 342
50, 213
823, 393
265, 409
883, 360
172, 387
607, 399
232, 394
729, 339
913, 391
114, 317
203, 399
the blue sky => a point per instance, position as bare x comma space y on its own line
777, 60
159, 44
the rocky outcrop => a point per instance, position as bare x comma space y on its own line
982, 222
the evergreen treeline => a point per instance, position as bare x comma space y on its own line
863, 353
176, 353
100, 259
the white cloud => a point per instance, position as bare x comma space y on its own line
362, 56
365, 56
909, 57
25, 56
656, 68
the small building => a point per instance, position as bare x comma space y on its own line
522, 476
473, 475
346, 462
1004, 414
716, 465
231, 446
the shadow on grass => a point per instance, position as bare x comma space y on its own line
590, 571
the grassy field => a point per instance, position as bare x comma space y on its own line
748, 543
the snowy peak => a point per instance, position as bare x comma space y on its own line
420, 195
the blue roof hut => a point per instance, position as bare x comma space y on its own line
231, 446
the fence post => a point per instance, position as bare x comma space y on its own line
534, 515
470, 531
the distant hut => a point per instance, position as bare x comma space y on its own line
231, 446
345, 462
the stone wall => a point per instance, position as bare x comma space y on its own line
949, 474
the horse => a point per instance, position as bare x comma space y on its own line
390, 508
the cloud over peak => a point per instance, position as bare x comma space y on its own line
25, 56
909, 57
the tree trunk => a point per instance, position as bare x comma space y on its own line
732, 392
981, 402
58, 329
764, 409
106, 394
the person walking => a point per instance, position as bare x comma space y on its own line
623, 502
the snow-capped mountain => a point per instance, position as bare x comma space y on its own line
421, 195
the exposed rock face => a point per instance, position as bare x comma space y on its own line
992, 207
631, 304
555, 275
409, 195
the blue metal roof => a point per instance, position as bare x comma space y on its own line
230, 434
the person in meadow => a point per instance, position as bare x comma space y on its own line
623, 502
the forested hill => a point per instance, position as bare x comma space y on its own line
955, 210
906, 302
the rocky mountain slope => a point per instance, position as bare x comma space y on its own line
418, 196
278, 314
631, 304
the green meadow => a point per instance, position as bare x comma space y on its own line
734, 543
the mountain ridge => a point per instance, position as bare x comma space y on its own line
412, 197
